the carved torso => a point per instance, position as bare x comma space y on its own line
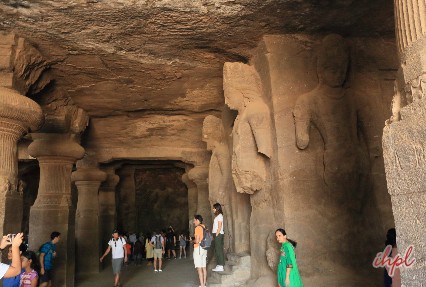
248, 165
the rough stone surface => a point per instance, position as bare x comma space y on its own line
288, 68
162, 199
148, 73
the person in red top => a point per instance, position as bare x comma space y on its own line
128, 247
200, 254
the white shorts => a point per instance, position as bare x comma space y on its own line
200, 257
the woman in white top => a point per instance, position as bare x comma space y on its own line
218, 236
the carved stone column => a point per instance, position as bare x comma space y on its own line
87, 178
127, 204
18, 115
107, 207
54, 209
199, 176
192, 200
404, 140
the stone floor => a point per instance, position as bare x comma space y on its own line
176, 273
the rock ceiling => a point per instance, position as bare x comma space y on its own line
115, 57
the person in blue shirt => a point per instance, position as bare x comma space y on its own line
47, 254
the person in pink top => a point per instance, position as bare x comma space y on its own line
29, 278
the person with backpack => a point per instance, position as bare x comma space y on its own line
47, 255
119, 252
200, 254
159, 249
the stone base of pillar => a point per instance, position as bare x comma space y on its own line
63, 221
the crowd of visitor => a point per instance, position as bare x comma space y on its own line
26, 268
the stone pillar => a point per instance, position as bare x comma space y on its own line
54, 209
18, 115
87, 178
107, 208
199, 176
127, 204
192, 200
404, 139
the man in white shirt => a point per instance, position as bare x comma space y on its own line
116, 244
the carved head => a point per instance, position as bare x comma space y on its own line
333, 60
213, 131
240, 83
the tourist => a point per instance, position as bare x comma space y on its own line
14, 269
170, 242
159, 249
149, 250
132, 240
138, 251
182, 245
47, 255
394, 281
218, 236
200, 254
128, 247
288, 273
117, 245
14, 281
30, 264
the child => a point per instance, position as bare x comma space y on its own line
29, 278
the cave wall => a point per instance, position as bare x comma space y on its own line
309, 211
161, 199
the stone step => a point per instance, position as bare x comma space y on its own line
237, 272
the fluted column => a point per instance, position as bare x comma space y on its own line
54, 209
192, 200
107, 207
18, 115
87, 178
199, 176
404, 139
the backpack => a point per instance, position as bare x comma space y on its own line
157, 243
206, 242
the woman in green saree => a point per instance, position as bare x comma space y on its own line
288, 273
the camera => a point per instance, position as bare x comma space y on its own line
10, 237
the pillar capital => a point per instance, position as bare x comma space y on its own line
18, 114
199, 174
187, 181
55, 146
88, 170
88, 174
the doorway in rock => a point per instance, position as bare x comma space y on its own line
152, 197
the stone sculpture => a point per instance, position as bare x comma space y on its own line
252, 148
330, 109
220, 163
252, 127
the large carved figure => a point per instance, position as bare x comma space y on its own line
219, 170
252, 148
252, 127
330, 108
220, 164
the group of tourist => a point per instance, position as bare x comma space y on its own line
28, 268
288, 273
155, 246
